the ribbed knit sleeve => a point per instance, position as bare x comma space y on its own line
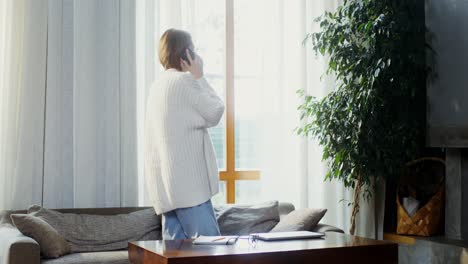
206, 101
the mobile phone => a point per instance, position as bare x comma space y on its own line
183, 55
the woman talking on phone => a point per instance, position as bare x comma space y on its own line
180, 164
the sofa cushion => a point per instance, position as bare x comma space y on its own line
300, 220
51, 243
284, 209
244, 220
87, 233
103, 257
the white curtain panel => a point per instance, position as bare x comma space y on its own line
90, 144
68, 104
23, 38
292, 169
147, 69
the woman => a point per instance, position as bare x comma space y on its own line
180, 164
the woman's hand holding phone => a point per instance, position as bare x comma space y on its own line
195, 65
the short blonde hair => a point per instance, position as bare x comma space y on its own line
172, 43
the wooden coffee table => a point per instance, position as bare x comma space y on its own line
333, 248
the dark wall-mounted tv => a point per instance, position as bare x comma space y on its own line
447, 90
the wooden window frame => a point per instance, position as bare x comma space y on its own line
231, 175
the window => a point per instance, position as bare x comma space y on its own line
229, 68
254, 56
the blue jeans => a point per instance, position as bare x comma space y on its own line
190, 222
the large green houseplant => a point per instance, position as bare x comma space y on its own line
373, 121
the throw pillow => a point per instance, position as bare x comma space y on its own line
244, 220
300, 220
87, 233
51, 243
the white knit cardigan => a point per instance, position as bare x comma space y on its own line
180, 163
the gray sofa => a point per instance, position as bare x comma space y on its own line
15, 248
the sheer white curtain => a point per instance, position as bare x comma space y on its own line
67, 103
90, 124
23, 38
292, 169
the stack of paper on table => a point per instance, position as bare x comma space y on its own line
215, 240
287, 235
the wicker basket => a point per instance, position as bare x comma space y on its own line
428, 219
